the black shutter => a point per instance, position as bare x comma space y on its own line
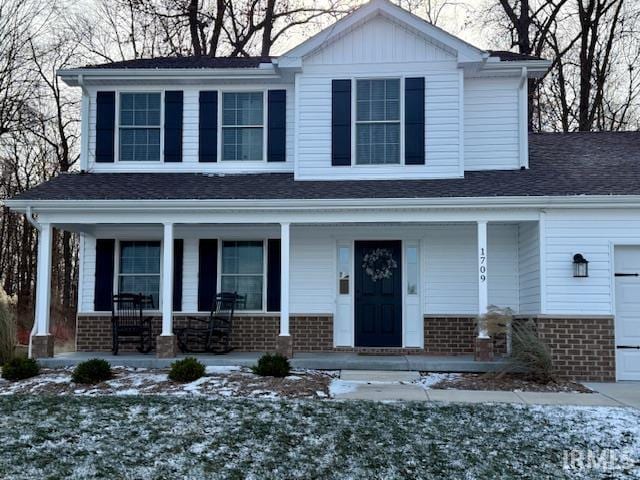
208, 126
207, 274
178, 248
103, 293
173, 126
276, 121
105, 127
414, 121
273, 275
341, 122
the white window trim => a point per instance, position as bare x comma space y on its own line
246, 89
264, 270
354, 121
116, 153
116, 269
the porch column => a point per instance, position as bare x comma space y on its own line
284, 343
483, 292
42, 340
166, 342
484, 344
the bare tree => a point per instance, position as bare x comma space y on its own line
20, 21
57, 125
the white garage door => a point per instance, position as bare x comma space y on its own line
627, 278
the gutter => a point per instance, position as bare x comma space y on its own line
476, 203
71, 76
38, 227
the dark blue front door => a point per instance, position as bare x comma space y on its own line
378, 300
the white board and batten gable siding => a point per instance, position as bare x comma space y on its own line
190, 130
380, 48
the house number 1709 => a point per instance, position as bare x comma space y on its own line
483, 265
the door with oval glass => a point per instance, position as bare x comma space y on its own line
378, 293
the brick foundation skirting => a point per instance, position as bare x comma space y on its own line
583, 349
249, 333
455, 336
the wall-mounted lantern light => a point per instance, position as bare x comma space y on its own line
580, 266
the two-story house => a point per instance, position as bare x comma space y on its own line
373, 189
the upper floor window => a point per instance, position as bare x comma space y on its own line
242, 126
139, 127
378, 121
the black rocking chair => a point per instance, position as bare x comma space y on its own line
127, 323
213, 334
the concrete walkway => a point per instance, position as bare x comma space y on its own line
390, 386
627, 393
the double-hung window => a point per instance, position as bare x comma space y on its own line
243, 271
139, 269
242, 126
377, 121
139, 127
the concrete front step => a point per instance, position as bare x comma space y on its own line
301, 360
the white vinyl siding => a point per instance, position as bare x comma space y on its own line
451, 286
446, 256
491, 124
529, 267
593, 234
88, 278
190, 133
380, 48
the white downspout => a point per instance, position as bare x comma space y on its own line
523, 119
37, 226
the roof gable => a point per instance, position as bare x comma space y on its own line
464, 51
379, 40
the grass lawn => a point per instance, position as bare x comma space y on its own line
155, 437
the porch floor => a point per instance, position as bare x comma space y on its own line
301, 360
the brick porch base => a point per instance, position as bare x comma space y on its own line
582, 348
249, 333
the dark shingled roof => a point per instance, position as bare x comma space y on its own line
560, 164
186, 62
506, 56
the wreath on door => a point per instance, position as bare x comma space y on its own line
379, 264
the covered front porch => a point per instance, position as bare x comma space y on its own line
308, 280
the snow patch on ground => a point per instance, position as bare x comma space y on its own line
430, 379
340, 387
210, 370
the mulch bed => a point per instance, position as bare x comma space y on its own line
507, 382
127, 381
